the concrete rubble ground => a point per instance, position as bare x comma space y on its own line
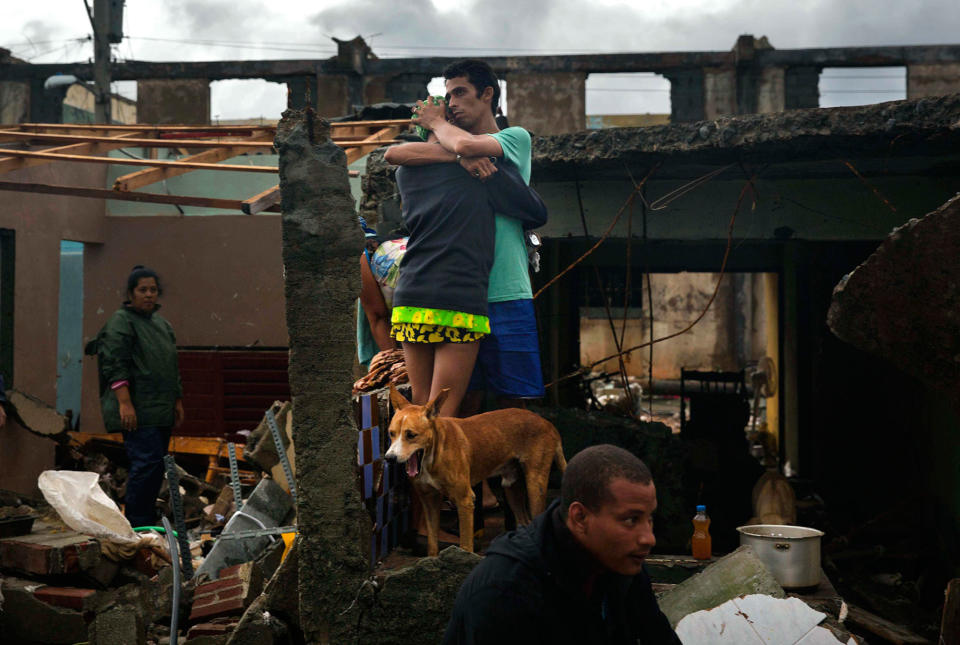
61, 586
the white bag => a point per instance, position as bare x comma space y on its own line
84, 507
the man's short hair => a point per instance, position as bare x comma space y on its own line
479, 74
588, 476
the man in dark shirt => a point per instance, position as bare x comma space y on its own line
576, 574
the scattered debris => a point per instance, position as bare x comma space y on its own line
386, 368
37, 417
81, 573
261, 450
265, 509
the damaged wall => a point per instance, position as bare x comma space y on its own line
222, 280
173, 101
730, 335
548, 103
39, 223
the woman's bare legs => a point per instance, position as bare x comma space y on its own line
419, 358
452, 366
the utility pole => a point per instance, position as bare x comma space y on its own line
101, 60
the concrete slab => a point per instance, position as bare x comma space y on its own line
738, 574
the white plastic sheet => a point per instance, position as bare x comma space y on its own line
757, 619
84, 507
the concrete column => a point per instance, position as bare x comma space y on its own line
789, 370
771, 90
719, 92
332, 96
801, 88
46, 106
407, 88
686, 95
173, 101
14, 102
548, 103
933, 80
321, 283
301, 92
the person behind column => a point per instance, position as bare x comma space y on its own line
140, 390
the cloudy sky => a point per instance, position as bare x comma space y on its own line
52, 31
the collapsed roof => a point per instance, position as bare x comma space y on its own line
889, 132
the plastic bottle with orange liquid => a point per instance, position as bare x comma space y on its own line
700, 542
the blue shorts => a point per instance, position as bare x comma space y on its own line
508, 363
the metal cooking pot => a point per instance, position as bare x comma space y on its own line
792, 553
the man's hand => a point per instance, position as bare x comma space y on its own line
479, 167
128, 416
429, 113
3, 417
178, 413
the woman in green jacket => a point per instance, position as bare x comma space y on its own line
140, 390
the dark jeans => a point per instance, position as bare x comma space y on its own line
146, 448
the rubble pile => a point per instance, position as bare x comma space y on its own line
75, 571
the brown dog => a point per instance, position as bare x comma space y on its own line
446, 457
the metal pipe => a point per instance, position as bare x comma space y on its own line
175, 559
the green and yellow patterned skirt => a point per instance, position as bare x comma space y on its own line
424, 325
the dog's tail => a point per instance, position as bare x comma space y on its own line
559, 459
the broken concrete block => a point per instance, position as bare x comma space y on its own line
738, 574
37, 417
27, 618
266, 507
216, 627
261, 449
415, 601
230, 594
45, 553
281, 598
120, 625
901, 303
67, 597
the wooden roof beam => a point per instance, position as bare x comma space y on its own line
152, 163
141, 178
8, 164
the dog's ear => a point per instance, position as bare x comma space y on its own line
433, 407
397, 399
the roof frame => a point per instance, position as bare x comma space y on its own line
203, 147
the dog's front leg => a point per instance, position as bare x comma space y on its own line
465, 504
430, 499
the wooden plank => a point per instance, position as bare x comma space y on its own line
136, 162
379, 122
263, 200
86, 127
372, 142
103, 193
142, 178
14, 163
141, 142
882, 627
186, 445
950, 623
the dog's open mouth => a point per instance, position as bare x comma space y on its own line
413, 464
